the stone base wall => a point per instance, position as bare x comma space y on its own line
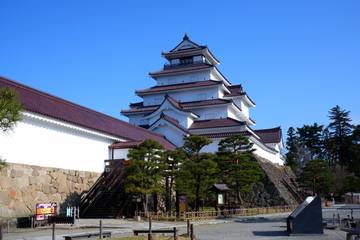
22, 186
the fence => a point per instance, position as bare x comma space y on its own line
204, 215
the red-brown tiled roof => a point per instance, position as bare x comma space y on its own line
122, 145
271, 135
173, 87
229, 134
225, 134
210, 102
215, 123
48, 105
185, 68
173, 121
235, 90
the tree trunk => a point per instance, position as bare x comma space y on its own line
197, 193
238, 194
170, 193
145, 204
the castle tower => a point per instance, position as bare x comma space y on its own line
192, 97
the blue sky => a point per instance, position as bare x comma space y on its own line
296, 59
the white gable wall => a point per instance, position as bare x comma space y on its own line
42, 141
172, 134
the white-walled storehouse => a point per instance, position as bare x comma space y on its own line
57, 133
192, 96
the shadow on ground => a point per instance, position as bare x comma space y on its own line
270, 233
259, 220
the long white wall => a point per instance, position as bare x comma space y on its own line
42, 141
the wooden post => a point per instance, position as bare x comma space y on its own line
175, 234
192, 235
1, 232
188, 227
53, 231
150, 230
101, 229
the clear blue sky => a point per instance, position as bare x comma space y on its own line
296, 59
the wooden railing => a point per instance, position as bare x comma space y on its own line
205, 215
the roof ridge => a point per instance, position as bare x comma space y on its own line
229, 118
69, 103
53, 97
268, 129
170, 119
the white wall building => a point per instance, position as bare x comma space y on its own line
54, 132
191, 96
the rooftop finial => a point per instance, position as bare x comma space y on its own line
186, 37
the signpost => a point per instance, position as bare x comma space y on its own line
44, 210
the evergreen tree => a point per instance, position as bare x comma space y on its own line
10, 108
145, 172
310, 136
340, 129
317, 177
354, 154
240, 170
292, 149
172, 163
197, 172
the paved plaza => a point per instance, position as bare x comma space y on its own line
271, 226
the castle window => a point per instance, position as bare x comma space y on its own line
187, 60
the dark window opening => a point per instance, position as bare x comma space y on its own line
187, 60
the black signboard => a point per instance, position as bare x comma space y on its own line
306, 218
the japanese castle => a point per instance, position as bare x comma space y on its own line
192, 97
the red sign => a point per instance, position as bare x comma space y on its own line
44, 210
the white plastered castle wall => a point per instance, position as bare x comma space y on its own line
184, 96
43, 141
184, 78
260, 150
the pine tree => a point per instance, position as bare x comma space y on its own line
197, 172
317, 177
10, 108
340, 129
292, 149
354, 155
144, 173
310, 136
239, 168
172, 162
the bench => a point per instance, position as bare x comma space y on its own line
88, 235
173, 231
